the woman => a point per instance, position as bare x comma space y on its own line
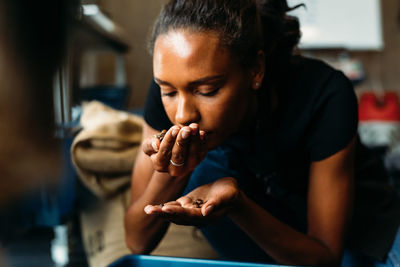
260, 143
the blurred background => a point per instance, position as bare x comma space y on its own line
366, 31
60, 204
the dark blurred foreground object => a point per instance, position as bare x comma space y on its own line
38, 41
33, 37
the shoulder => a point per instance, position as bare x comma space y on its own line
315, 73
319, 104
314, 82
311, 64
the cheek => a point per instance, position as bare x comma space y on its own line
229, 112
236, 106
234, 113
170, 109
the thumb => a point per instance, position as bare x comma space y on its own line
209, 207
150, 146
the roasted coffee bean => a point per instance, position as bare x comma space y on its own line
198, 203
161, 135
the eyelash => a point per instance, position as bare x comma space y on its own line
168, 94
211, 93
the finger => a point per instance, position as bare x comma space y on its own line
203, 144
161, 159
209, 207
161, 135
194, 127
150, 145
179, 149
173, 209
158, 138
194, 148
175, 203
179, 211
202, 135
153, 209
185, 201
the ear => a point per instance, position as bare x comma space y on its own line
258, 70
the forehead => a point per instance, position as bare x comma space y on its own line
195, 53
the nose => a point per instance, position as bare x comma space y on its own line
187, 111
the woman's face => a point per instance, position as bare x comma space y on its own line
201, 83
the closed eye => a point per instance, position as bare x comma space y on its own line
169, 94
167, 90
208, 93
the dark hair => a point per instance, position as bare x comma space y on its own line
245, 26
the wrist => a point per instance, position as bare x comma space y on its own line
170, 185
167, 175
184, 177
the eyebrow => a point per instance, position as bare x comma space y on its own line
193, 83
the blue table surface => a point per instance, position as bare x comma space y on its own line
150, 261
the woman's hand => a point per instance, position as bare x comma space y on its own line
177, 151
203, 205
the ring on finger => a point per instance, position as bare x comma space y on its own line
176, 164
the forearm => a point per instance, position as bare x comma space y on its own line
281, 242
143, 231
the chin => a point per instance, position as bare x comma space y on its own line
210, 142
211, 146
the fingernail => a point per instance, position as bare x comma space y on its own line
194, 127
154, 145
147, 209
185, 134
175, 131
202, 135
208, 210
